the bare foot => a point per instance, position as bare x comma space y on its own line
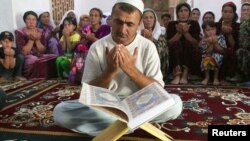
176, 80
216, 82
2, 79
184, 78
20, 78
183, 81
204, 82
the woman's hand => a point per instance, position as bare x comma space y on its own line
147, 34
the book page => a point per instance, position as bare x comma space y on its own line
104, 99
147, 104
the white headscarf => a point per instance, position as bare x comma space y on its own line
66, 14
157, 31
51, 20
105, 17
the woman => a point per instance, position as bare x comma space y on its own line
229, 27
45, 22
31, 43
208, 16
183, 37
151, 29
245, 8
195, 14
95, 30
243, 53
84, 20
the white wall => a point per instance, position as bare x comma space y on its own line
21, 6
6, 16
12, 12
83, 6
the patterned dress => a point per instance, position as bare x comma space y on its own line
214, 60
243, 53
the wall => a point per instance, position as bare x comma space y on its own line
12, 12
21, 6
6, 16
83, 6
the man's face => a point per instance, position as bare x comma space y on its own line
165, 21
124, 26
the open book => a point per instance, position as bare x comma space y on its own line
136, 109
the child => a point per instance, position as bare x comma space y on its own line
10, 61
212, 49
68, 41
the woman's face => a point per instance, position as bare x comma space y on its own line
227, 14
94, 17
84, 21
45, 18
244, 12
148, 20
31, 21
208, 17
195, 15
183, 14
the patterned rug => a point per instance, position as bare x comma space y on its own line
28, 112
203, 106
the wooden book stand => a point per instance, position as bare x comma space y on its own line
119, 128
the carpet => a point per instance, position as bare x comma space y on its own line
28, 112
203, 106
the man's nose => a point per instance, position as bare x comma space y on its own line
123, 28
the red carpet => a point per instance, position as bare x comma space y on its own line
28, 113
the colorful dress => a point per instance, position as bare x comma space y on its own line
101, 32
36, 64
51, 42
210, 62
160, 41
63, 62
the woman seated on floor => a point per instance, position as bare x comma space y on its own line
30, 41
151, 29
183, 37
229, 27
45, 22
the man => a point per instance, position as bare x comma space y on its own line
165, 19
123, 62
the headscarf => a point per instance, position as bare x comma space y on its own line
157, 31
231, 4
105, 17
51, 20
66, 14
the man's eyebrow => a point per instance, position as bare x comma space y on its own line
126, 22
